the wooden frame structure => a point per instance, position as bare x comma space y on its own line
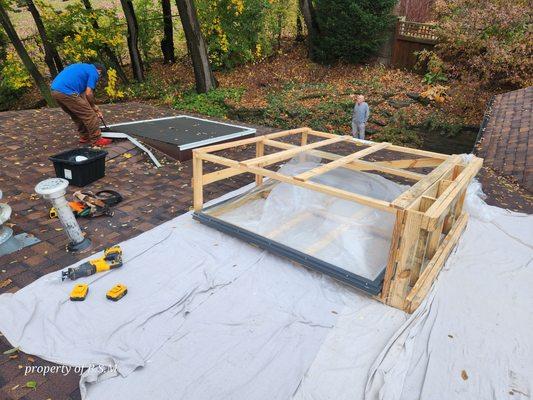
429, 215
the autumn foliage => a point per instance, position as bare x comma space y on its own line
490, 41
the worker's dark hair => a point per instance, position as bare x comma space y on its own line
100, 67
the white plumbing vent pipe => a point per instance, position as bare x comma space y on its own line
54, 190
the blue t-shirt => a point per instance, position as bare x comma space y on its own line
75, 78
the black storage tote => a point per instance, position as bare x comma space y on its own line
80, 166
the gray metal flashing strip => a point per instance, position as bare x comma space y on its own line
354, 280
484, 123
217, 139
118, 135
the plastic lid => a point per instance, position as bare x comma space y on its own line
51, 186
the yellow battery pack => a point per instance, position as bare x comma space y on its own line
117, 292
79, 292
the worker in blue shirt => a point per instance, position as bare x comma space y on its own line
73, 89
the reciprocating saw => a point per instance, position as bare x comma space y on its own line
111, 259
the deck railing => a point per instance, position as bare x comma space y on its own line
417, 30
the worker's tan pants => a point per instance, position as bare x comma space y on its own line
81, 112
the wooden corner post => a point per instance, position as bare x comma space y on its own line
197, 181
259, 152
404, 260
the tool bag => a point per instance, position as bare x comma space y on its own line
96, 204
89, 204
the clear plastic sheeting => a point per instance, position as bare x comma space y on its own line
345, 234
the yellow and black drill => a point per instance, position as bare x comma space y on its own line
111, 259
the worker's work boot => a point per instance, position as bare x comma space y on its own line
101, 142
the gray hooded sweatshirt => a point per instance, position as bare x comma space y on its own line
361, 112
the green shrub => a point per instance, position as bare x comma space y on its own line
14, 81
212, 103
3, 45
399, 135
438, 124
316, 105
398, 132
351, 30
72, 31
239, 31
489, 40
152, 88
435, 68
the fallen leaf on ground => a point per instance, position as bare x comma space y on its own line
464, 375
127, 155
15, 387
31, 384
11, 351
5, 283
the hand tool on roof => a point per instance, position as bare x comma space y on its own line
108, 196
105, 128
111, 259
117, 292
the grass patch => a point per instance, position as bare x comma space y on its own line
316, 105
444, 127
213, 104
398, 132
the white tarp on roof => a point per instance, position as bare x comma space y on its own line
474, 338
208, 316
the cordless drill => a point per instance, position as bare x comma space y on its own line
111, 259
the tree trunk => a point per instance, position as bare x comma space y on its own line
203, 74
25, 57
299, 29
313, 31
51, 57
109, 53
167, 43
133, 40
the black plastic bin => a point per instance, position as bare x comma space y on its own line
80, 173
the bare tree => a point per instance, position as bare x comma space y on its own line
313, 30
109, 53
203, 74
133, 40
24, 56
51, 56
167, 43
